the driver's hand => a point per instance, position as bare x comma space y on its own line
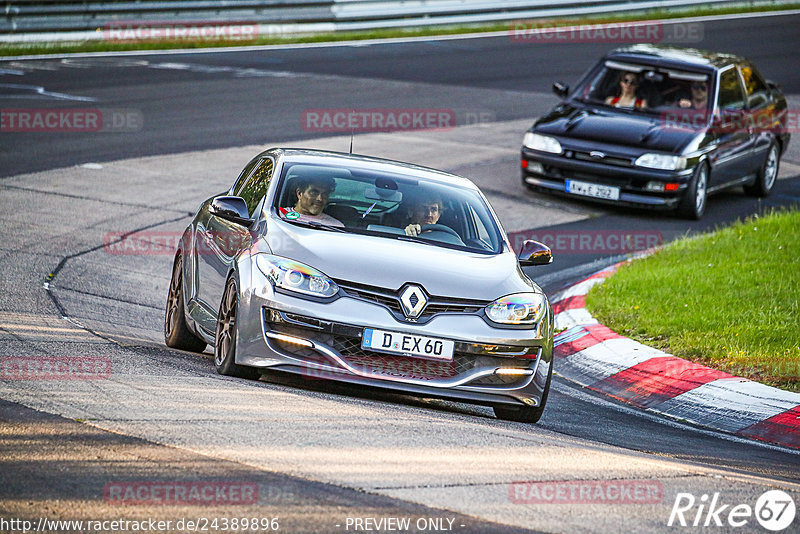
413, 230
685, 103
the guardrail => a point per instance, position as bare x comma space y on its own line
25, 20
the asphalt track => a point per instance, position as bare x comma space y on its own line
319, 452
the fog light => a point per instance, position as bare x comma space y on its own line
654, 187
535, 166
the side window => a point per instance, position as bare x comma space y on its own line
730, 91
757, 90
240, 181
256, 186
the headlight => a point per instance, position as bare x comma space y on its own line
542, 143
294, 276
661, 161
519, 308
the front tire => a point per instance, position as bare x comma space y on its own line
176, 332
525, 414
693, 204
767, 174
225, 346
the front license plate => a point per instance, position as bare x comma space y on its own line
592, 190
408, 344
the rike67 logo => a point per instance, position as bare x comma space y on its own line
774, 510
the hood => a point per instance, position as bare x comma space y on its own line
630, 129
391, 263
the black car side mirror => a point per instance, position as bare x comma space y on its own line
561, 89
535, 253
232, 209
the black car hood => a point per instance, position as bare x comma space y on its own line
609, 126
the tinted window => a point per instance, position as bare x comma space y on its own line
256, 186
756, 87
730, 91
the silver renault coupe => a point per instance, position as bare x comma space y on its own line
368, 271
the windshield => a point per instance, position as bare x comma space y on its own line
386, 205
646, 89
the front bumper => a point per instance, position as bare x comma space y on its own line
632, 181
322, 340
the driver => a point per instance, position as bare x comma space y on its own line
312, 197
422, 211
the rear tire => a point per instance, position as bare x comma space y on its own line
693, 203
176, 332
225, 346
525, 414
767, 174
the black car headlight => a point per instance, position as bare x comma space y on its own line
542, 143
664, 162
295, 276
519, 308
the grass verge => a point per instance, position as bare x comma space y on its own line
729, 299
21, 49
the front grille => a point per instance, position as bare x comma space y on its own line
346, 341
389, 298
607, 160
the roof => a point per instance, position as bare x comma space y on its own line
364, 162
675, 56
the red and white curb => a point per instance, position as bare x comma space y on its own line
596, 357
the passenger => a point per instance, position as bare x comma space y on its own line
421, 211
312, 199
699, 99
626, 92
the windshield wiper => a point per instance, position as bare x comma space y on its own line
321, 226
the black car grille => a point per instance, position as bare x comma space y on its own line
344, 340
606, 160
389, 298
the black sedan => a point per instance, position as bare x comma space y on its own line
660, 127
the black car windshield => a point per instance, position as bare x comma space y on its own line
387, 205
646, 89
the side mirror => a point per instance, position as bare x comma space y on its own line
775, 86
561, 89
232, 209
535, 253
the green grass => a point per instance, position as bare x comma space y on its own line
729, 299
17, 49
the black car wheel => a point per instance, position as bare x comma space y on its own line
693, 204
525, 414
767, 175
176, 333
225, 346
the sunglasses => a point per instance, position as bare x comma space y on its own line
631, 81
699, 86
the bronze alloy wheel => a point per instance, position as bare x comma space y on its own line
176, 332
225, 346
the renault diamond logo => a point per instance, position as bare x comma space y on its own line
413, 300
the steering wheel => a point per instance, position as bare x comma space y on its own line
438, 228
